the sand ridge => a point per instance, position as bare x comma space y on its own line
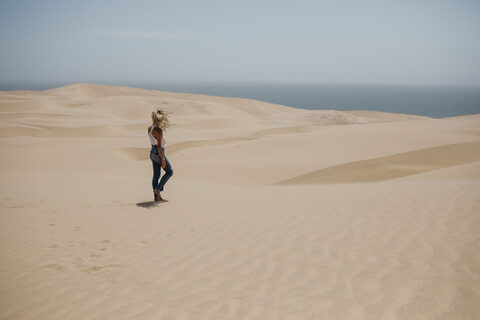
376, 215
395, 166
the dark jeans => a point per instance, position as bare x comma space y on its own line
157, 165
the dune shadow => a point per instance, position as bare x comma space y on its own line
394, 166
150, 204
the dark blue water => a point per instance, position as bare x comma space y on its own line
431, 101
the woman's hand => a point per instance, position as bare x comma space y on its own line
164, 164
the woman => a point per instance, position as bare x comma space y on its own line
157, 153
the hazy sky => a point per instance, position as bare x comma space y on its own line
403, 41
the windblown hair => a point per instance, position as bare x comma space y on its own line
160, 119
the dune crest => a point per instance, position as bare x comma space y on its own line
394, 166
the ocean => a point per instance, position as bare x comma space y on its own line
431, 101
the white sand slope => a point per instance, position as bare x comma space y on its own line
272, 212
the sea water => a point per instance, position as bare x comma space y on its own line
430, 101
426, 100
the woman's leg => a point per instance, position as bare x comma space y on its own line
168, 173
156, 174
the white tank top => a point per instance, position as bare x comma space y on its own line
154, 141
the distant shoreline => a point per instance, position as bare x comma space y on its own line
436, 101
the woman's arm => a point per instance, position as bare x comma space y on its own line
158, 134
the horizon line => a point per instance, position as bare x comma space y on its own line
52, 84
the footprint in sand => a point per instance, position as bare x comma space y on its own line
56, 267
99, 268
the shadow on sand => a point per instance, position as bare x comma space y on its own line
150, 204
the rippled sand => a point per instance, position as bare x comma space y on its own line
272, 212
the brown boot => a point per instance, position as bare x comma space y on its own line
157, 196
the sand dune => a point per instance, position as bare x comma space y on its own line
396, 166
272, 212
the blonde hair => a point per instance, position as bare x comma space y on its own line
160, 119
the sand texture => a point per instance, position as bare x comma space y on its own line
272, 212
